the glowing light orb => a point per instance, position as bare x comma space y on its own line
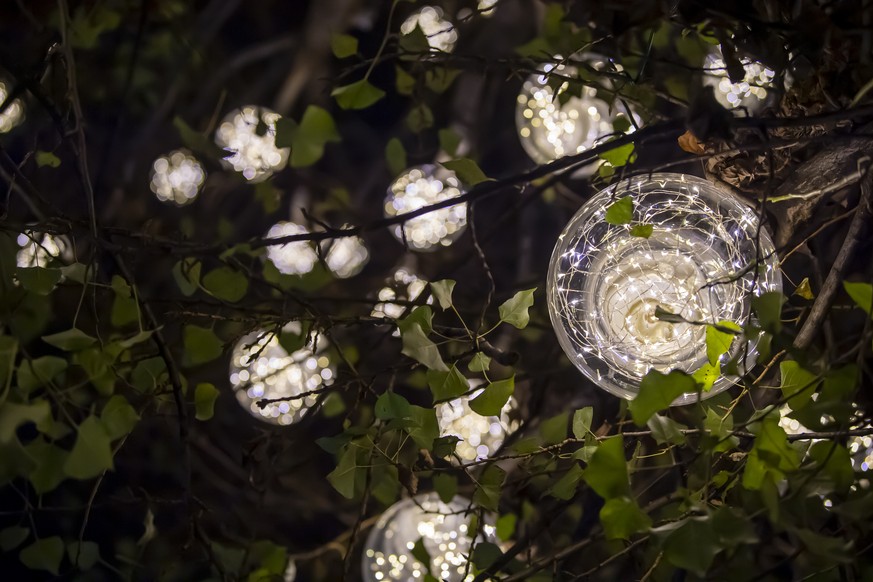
249, 134
480, 436
700, 262
750, 93
177, 177
422, 186
443, 529
292, 258
13, 114
403, 286
548, 129
487, 7
440, 33
260, 368
40, 249
861, 451
345, 257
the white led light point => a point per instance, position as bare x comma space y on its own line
260, 368
480, 436
249, 134
177, 177
291, 258
441, 35
750, 93
445, 534
700, 262
422, 186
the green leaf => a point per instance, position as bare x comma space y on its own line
13, 415
76, 272
771, 454
618, 157
196, 141
449, 141
125, 311
12, 537
797, 385
621, 517
487, 493
485, 554
395, 155
343, 45
417, 346
467, 171
692, 545
405, 82
50, 460
442, 290
425, 428
71, 340
554, 430
187, 275
422, 315
666, 430
390, 406
832, 549
861, 294
45, 554
837, 464
343, 477
621, 211
39, 372
804, 290
514, 310
419, 118
445, 446
92, 453
414, 41
565, 487
8, 352
707, 375
479, 363
226, 284
120, 286
39, 280
446, 486
718, 341
447, 385
201, 345
768, 308
84, 555
439, 79
308, 139
642, 230
118, 417
582, 422
333, 405
493, 398
205, 395
49, 159
657, 392
733, 528
419, 552
358, 95
606, 473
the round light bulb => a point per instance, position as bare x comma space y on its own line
249, 134
440, 33
177, 177
422, 186
261, 369
751, 93
39, 249
480, 436
549, 129
292, 258
605, 285
346, 256
443, 529
13, 114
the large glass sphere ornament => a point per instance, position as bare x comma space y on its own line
444, 531
345, 256
291, 258
441, 35
249, 134
40, 249
705, 258
14, 112
262, 369
480, 436
422, 186
177, 178
550, 127
751, 93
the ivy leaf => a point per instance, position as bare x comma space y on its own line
395, 155
13, 415
226, 284
47, 159
307, 139
187, 275
33, 374
804, 290
619, 156
692, 545
405, 82
118, 417
425, 428
50, 459
718, 341
92, 453
771, 454
343, 45
439, 79
39, 280
514, 310
201, 345
621, 517
642, 230
205, 395
449, 141
657, 391
446, 486
797, 385
606, 473
707, 375
414, 41
479, 363
467, 171
554, 430
582, 422
485, 554
447, 385
84, 555
12, 537
666, 430
442, 290
487, 493
768, 308
422, 315
45, 554
861, 294
71, 340
837, 464
419, 552
358, 95
343, 477
420, 118
493, 398
390, 406
445, 446
505, 526
621, 211
417, 346
565, 487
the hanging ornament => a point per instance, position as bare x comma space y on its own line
249, 134
345, 256
291, 258
689, 249
177, 177
751, 93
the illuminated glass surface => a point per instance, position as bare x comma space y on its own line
177, 177
292, 258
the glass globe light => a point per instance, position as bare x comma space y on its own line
38, 249
548, 129
177, 177
480, 436
292, 258
443, 529
441, 35
260, 368
13, 114
605, 285
750, 93
346, 256
249, 134
422, 186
